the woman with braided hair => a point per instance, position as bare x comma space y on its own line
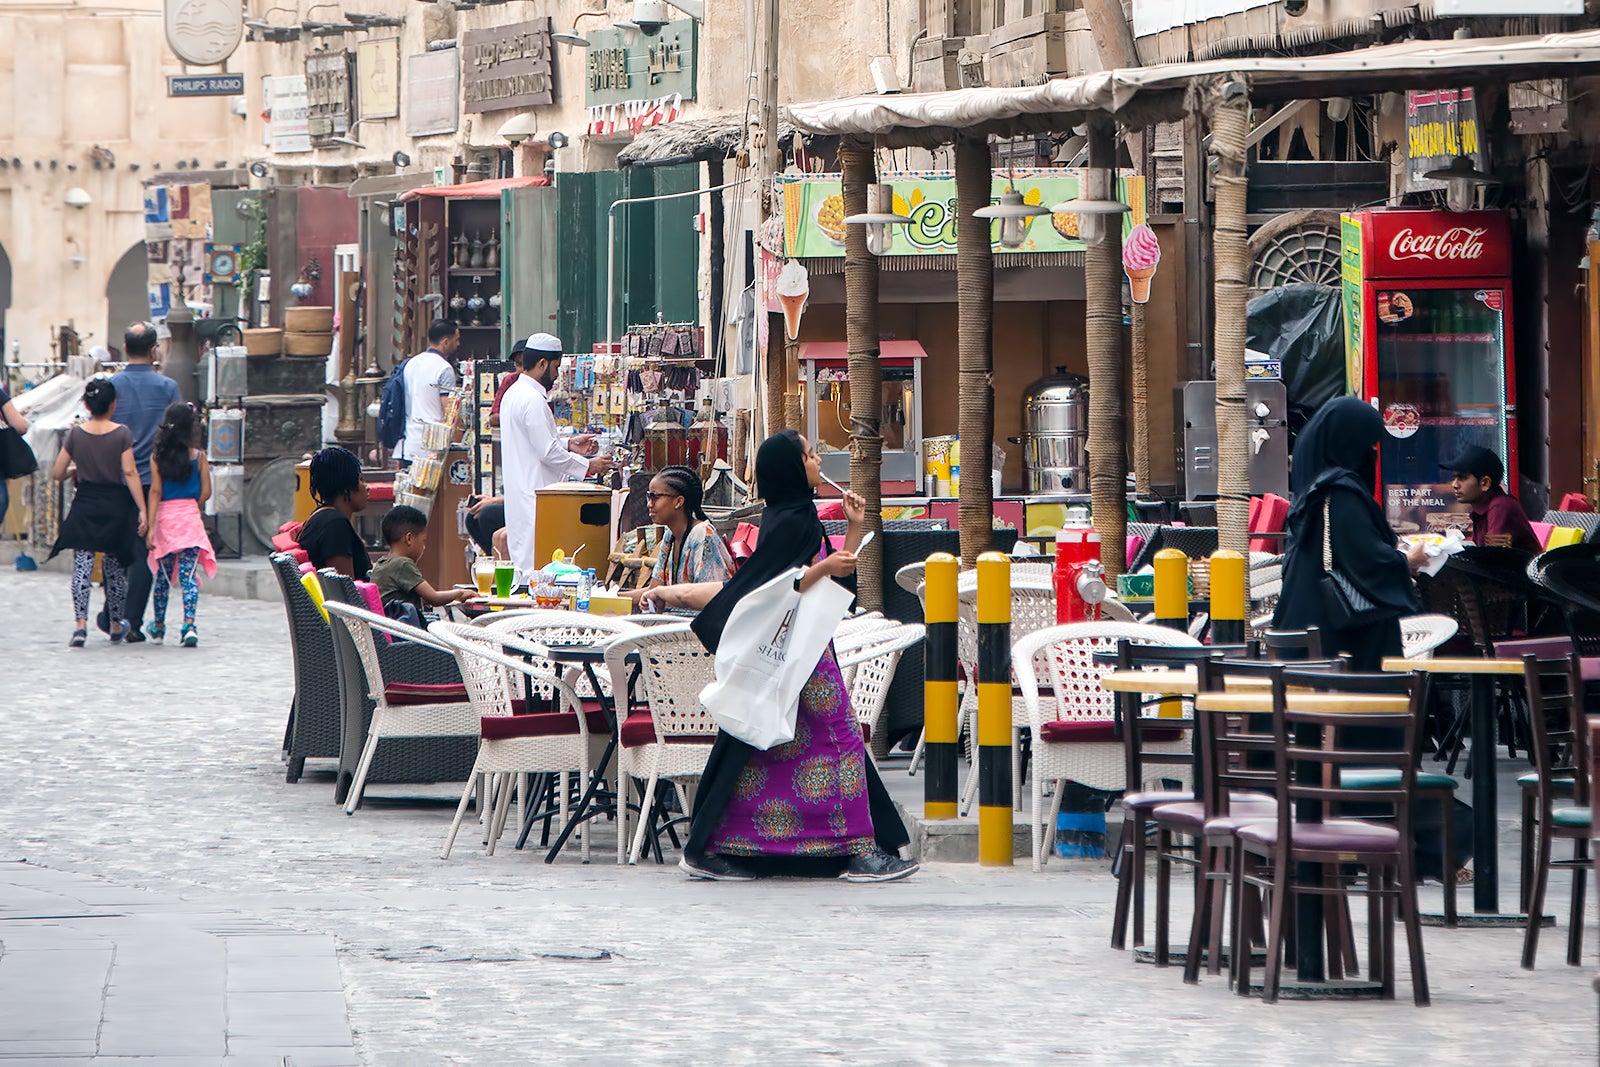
329, 536
692, 551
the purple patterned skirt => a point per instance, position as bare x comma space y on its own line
807, 797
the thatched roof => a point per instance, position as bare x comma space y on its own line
691, 141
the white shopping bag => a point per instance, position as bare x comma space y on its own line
770, 645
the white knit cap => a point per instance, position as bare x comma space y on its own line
543, 342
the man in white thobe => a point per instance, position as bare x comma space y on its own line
533, 452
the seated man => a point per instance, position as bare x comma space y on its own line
1497, 519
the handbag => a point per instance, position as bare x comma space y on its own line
16, 458
1344, 606
770, 646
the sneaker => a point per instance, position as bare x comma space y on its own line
78, 638
191, 636
714, 868
119, 633
132, 634
157, 632
878, 866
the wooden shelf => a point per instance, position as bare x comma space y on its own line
464, 326
490, 272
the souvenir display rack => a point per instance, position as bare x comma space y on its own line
486, 376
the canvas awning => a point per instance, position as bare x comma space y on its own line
891, 353
492, 187
1145, 95
690, 141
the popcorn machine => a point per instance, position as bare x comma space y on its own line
824, 367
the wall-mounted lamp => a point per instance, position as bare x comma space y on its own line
77, 197
1461, 180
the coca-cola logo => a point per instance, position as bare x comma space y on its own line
1459, 243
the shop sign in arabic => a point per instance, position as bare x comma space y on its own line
508, 67
649, 68
1440, 125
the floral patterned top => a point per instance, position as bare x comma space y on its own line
704, 557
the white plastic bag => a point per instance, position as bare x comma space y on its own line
770, 645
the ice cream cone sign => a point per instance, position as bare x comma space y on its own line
793, 287
1141, 253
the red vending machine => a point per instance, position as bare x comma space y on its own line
1427, 311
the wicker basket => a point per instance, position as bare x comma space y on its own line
264, 342
308, 320
307, 344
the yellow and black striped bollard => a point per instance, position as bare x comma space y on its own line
1172, 589
995, 830
1227, 597
941, 702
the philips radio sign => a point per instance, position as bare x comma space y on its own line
1408, 244
1459, 243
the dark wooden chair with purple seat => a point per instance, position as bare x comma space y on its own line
1561, 753
1305, 851
1137, 803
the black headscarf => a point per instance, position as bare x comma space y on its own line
790, 535
1338, 447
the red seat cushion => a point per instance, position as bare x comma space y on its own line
1190, 814
1099, 730
1151, 798
543, 724
410, 694
380, 491
638, 729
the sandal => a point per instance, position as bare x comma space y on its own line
78, 638
1464, 876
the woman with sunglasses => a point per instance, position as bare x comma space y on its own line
692, 551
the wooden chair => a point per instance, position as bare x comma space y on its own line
1307, 734
1146, 744
1561, 753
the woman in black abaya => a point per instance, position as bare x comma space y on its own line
1336, 463
816, 800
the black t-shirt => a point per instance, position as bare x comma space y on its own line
327, 534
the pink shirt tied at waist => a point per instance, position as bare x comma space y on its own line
179, 526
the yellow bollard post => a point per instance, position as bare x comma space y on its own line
995, 827
941, 702
1172, 589
1227, 597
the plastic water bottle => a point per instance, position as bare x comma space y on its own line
585, 589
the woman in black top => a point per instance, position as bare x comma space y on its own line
9, 416
328, 536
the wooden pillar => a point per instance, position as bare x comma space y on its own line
858, 169
1229, 105
974, 340
1108, 465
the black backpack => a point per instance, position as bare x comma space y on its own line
392, 409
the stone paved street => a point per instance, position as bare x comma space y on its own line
156, 772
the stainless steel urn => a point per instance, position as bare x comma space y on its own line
1055, 433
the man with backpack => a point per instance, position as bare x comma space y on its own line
424, 378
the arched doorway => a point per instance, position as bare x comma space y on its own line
127, 294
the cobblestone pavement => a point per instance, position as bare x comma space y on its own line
158, 769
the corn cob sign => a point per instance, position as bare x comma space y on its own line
814, 213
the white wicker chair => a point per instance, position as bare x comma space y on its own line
546, 626
446, 718
673, 743
1033, 608
871, 669
1421, 634
1072, 680
511, 746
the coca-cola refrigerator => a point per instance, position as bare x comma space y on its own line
1427, 313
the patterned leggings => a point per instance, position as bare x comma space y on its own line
187, 560
116, 583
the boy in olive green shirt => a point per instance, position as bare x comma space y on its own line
398, 577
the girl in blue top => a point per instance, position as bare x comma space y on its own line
180, 482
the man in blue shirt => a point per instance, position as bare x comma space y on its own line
143, 396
